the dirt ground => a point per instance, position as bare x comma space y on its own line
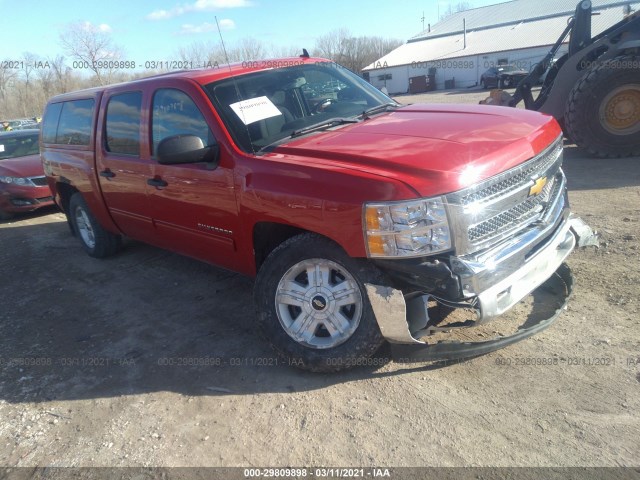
151, 359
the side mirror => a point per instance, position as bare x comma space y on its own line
180, 149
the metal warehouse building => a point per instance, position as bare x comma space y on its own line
457, 50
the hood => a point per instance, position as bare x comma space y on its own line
28, 166
435, 149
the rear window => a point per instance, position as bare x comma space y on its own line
50, 122
15, 146
68, 123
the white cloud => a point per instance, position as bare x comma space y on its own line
90, 27
159, 15
227, 24
204, 5
190, 29
198, 6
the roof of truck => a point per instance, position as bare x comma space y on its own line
202, 76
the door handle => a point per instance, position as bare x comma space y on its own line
157, 182
107, 173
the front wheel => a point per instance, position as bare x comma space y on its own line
97, 241
313, 306
603, 110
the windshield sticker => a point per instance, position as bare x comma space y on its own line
255, 109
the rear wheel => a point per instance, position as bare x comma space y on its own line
313, 306
603, 111
96, 241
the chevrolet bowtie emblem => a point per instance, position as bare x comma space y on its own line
537, 187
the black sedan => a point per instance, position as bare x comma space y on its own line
502, 76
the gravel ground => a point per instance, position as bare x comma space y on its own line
151, 359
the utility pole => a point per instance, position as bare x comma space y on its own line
422, 21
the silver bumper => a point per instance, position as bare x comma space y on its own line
503, 295
493, 286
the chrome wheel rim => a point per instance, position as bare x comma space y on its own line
620, 110
319, 303
84, 228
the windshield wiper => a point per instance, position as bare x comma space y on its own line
322, 125
380, 108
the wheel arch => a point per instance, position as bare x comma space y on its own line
65, 191
267, 236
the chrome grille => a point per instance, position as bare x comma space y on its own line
522, 213
502, 186
39, 181
499, 207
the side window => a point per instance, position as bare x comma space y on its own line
174, 113
76, 118
122, 129
50, 122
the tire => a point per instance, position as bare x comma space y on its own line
96, 241
603, 110
336, 337
500, 83
483, 84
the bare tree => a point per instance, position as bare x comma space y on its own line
93, 47
24, 88
355, 53
280, 52
208, 54
62, 74
333, 45
247, 49
458, 7
202, 54
7, 75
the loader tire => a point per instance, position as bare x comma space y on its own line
603, 110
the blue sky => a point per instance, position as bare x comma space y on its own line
155, 30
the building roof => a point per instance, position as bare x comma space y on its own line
505, 26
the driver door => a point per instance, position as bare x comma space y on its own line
193, 205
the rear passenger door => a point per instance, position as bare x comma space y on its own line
123, 167
194, 206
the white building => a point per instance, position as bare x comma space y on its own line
464, 45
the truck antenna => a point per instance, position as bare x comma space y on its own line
234, 80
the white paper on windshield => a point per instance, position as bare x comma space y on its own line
255, 109
1, 148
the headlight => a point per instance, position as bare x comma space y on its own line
406, 229
16, 180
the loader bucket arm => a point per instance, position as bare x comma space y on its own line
579, 26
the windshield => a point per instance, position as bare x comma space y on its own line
264, 107
508, 68
14, 146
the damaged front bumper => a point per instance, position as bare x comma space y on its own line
490, 291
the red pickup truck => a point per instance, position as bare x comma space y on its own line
352, 211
